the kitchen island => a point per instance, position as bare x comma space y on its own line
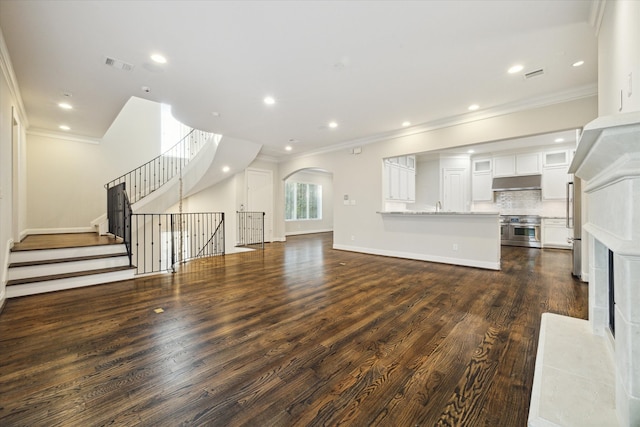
461, 238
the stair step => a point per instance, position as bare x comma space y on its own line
60, 282
34, 255
61, 260
67, 275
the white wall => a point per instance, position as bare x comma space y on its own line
218, 198
314, 226
229, 196
12, 206
360, 176
619, 58
66, 177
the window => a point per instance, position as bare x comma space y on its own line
302, 201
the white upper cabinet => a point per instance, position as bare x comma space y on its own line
481, 187
554, 183
556, 158
517, 164
528, 164
504, 165
400, 178
482, 166
481, 180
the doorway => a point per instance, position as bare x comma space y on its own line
454, 189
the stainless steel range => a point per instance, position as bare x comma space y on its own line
520, 230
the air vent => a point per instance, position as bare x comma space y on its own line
533, 74
116, 63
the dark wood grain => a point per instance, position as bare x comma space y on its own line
297, 334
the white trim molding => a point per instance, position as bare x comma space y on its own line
12, 81
63, 136
66, 230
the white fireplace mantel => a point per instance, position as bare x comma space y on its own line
607, 160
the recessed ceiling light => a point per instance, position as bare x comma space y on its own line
405, 124
473, 107
226, 169
578, 63
215, 114
156, 57
333, 125
64, 127
269, 100
471, 151
516, 69
65, 106
288, 148
559, 140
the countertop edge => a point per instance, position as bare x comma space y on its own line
411, 213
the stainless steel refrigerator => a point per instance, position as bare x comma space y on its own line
574, 224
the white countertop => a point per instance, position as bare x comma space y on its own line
430, 213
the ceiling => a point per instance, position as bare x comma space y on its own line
367, 65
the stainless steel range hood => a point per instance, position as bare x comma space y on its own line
517, 183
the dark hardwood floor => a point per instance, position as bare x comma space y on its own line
297, 334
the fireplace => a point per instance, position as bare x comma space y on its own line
607, 161
612, 296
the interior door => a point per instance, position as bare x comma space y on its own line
453, 190
260, 197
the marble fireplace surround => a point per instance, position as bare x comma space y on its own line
584, 376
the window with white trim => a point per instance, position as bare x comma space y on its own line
302, 201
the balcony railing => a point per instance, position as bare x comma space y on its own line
250, 228
161, 241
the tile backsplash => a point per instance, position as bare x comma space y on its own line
526, 202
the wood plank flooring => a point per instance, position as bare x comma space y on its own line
58, 241
296, 335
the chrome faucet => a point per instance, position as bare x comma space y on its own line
438, 206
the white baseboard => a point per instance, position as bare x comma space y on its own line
297, 233
31, 231
5, 272
101, 224
421, 257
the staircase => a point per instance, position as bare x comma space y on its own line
45, 263
48, 263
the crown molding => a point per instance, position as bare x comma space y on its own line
63, 136
597, 12
581, 92
12, 82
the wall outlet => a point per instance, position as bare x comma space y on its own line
455, 246
353, 238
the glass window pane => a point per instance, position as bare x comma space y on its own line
289, 200
301, 201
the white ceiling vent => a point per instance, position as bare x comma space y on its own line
116, 63
535, 73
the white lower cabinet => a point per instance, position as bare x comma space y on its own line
555, 233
